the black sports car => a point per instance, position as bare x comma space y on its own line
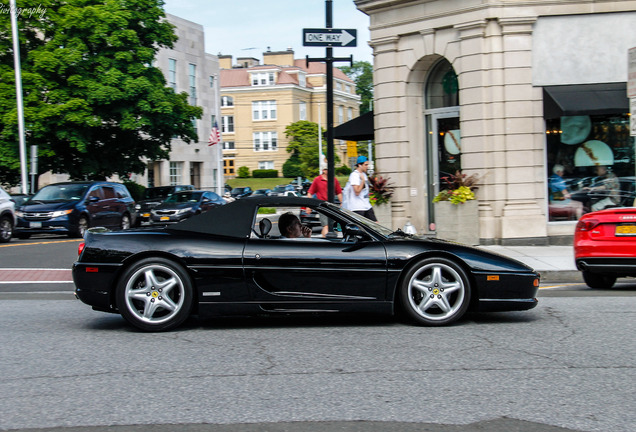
231, 261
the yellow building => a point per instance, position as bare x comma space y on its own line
258, 101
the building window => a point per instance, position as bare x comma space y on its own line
211, 81
192, 79
302, 111
228, 145
172, 74
195, 174
263, 78
265, 141
302, 79
349, 113
176, 169
442, 86
227, 101
194, 126
338, 85
590, 165
228, 166
269, 165
227, 124
264, 110
348, 88
340, 114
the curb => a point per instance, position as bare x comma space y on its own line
552, 276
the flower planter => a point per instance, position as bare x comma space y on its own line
383, 214
458, 222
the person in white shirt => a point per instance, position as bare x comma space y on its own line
358, 199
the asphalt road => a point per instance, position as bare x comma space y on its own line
566, 365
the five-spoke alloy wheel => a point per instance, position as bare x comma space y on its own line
155, 294
435, 292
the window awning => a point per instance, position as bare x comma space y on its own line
585, 99
358, 129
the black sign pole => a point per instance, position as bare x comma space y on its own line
329, 60
330, 151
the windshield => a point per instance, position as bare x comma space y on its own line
367, 223
66, 192
184, 197
157, 192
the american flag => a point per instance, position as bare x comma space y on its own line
215, 136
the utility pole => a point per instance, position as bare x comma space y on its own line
18, 91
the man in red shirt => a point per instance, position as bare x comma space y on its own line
319, 188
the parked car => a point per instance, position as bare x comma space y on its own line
262, 192
73, 207
605, 246
7, 216
304, 186
241, 192
182, 205
20, 199
284, 190
153, 196
229, 261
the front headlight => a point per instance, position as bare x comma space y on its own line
19, 213
61, 213
137, 207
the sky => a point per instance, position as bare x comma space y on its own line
247, 28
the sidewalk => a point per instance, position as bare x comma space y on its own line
555, 263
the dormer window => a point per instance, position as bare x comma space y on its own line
263, 78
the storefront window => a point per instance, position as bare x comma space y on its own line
590, 165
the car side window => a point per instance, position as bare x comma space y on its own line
109, 192
95, 193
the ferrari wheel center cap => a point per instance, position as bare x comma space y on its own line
155, 294
436, 291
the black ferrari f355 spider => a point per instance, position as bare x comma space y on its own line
231, 260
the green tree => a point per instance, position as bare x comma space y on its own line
93, 103
361, 72
303, 143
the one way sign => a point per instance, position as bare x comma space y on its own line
330, 37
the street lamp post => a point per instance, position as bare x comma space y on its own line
18, 91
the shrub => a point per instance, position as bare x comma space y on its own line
343, 170
243, 172
136, 190
265, 173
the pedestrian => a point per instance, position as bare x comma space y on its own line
358, 196
319, 188
290, 227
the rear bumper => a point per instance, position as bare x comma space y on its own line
95, 284
616, 266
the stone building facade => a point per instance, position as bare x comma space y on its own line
489, 87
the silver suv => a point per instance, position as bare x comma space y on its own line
7, 216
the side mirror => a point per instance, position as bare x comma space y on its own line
353, 233
93, 199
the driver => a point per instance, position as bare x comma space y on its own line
290, 227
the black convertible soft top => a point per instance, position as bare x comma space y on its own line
236, 219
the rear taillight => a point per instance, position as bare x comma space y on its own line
80, 248
587, 224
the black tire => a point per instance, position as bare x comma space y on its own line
155, 294
598, 280
435, 292
82, 226
6, 229
125, 222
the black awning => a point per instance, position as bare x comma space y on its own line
585, 99
358, 129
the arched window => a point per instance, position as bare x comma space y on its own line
442, 87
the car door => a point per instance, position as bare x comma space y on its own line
95, 207
111, 207
315, 269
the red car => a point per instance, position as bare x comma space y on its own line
605, 246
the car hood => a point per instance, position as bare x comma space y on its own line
35, 207
150, 203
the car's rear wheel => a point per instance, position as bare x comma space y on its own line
155, 294
435, 292
598, 280
6, 229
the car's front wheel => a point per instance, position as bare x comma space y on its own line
125, 222
155, 294
599, 281
435, 292
6, 229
